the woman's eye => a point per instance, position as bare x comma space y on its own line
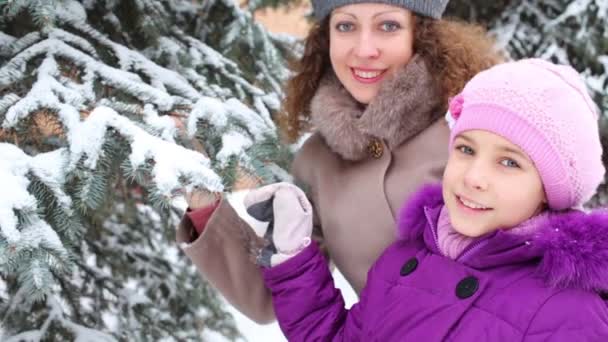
465, 149
390, 26
509, 163
344, 27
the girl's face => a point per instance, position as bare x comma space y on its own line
367, 43
489, 184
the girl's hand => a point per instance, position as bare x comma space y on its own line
289, 215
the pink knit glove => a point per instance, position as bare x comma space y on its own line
289, 215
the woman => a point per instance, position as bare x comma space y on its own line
374, 82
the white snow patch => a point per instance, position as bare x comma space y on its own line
71, 9
5, 39
233, 143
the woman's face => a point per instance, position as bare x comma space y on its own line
367, 43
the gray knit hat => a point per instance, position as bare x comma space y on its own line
428, 8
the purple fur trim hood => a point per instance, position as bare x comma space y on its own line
572, 245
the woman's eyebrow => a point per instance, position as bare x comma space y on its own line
385, 12
345, 13
374, 16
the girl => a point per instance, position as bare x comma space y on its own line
374, 82
501, 251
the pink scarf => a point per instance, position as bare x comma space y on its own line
452, 243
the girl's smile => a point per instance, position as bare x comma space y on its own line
469, 206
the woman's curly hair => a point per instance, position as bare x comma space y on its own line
454, 52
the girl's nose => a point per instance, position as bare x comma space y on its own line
476, 177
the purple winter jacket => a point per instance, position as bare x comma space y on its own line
503, 287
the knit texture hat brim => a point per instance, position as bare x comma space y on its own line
427, 8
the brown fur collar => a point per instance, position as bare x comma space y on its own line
406, 104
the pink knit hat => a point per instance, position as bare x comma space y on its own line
544, 109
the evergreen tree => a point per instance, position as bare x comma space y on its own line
109, 111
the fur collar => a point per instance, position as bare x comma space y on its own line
406, 104
572, 245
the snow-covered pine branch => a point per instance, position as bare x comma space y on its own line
109, 110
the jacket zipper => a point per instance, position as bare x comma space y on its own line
433, 230
467, 252
472, 248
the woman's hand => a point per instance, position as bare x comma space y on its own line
201, 198
289, 215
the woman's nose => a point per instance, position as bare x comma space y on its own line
366, 46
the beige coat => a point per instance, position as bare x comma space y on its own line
378, 157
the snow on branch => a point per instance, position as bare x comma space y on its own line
6, 39
56, 314
171, 161
15, 166
70, 100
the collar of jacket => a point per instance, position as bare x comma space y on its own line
405, 105
570, 247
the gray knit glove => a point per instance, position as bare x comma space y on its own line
288, 214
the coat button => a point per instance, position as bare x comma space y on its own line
467, 287
409, 267
375, 148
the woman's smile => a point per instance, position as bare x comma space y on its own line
368, 75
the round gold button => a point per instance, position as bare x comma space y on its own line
375, 148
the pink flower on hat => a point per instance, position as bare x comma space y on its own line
456, 104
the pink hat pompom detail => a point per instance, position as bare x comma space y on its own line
456, 104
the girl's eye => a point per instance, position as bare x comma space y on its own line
465, 149
344, 27
390, 26
509, 163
